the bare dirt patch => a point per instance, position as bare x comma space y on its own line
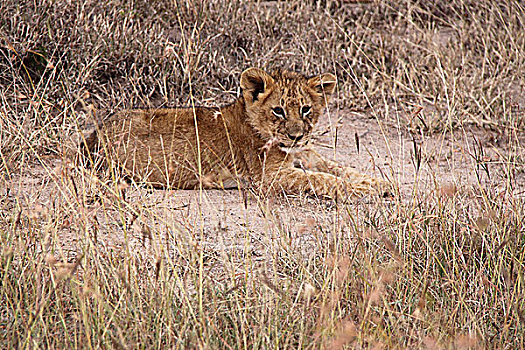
239, 223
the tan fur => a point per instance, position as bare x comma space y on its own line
215, 147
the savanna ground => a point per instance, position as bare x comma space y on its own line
430, 96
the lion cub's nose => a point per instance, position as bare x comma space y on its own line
295, 137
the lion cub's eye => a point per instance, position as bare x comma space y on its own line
305, 110
278, 112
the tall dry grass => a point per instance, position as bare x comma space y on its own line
90, 261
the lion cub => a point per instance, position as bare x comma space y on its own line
257, 138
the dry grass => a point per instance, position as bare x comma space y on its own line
89, 261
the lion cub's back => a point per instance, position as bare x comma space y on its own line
158, 146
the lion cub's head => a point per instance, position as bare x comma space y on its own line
284, 106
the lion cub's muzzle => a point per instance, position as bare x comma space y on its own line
293, 141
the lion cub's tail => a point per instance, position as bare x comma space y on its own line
89, 145
88, 148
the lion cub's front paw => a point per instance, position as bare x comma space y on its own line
377, 186
383, 188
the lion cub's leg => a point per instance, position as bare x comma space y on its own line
294, 180
312, 160
222, 179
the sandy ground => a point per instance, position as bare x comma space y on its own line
235, 225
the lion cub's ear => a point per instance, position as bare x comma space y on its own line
323, 84
255, 81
